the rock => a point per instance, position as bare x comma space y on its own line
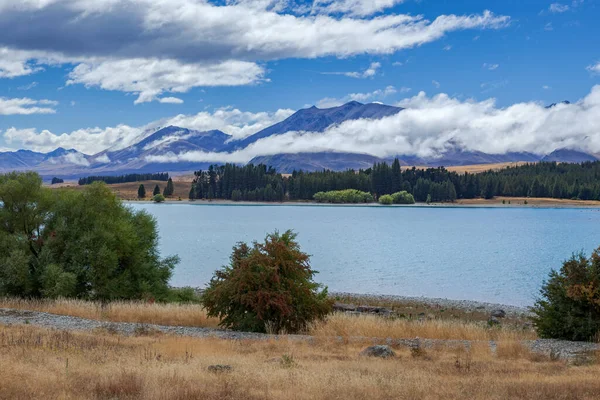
218, 368
380, 351
344, 307
498, 313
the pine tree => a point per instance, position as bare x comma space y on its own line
156, 190
192, 194
169, 189
141, 192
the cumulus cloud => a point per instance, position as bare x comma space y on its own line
150, 47
232, 121
26, 106
153, 77
431, 125
378, 94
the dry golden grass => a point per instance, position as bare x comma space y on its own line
337, 324
46, 364
128, 190
345, 325
119, 311
531, 201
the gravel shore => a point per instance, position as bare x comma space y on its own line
466, 305
558, 348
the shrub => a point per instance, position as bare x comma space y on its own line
269, 285
158, 198
403, 197
386, 199
343, 196
569, 307
183, 295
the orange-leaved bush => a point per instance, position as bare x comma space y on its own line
267, 287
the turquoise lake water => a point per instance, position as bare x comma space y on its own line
487, 254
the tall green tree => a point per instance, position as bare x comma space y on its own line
156, 190
169, 189
141, 192
83, 244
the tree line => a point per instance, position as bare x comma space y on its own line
261, 183
160, 176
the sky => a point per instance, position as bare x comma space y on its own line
95, 74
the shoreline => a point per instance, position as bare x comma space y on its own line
464, 305
541, 203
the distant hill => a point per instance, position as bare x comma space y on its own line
287, 163
570, 156
318, 119
169, 142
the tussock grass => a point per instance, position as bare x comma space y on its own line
120, 311
336, 324
43, 363
339, 324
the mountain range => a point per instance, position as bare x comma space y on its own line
172, 140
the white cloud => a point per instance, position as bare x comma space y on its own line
26, 106
15, 63
151, 78
170, 100
398, 64
447, 47
430, 125
128, 44
594, 68
546, 87
491, 67
436, 84
378, 94
104, 159
235, 122
359, 8
558, 8
490, 86
548, 27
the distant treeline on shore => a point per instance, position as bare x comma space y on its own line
261, 183
161, 176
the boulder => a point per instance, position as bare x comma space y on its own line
380, 351
498, 313
344, 307
218, 368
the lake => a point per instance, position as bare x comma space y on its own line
487, 254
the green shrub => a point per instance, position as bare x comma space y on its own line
569, 306
269, 285
386, 199
343, 196
183, 295
403, 197
158, 198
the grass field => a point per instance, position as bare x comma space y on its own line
38, 363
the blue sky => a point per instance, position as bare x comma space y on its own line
526, 51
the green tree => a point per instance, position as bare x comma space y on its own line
84, 244
569, 306
169, 189
267, 286
141, 192
156, 190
